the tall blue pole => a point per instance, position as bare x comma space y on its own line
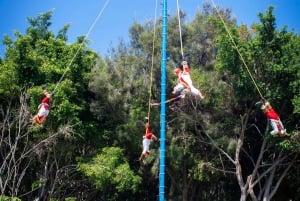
162, 151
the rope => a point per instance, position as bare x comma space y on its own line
81, 45
168, 100
239, 53
179, 27
152, 63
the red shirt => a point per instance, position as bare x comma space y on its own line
46, 103
271, 114
148, 134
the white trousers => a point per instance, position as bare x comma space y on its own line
180, 87
146, 146
277, 127
43, 111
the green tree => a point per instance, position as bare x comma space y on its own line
267, 63
215, 147
110, 172
32, 60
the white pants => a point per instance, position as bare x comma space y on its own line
43, 111
187, 78
277, 127
180, 87
146, 146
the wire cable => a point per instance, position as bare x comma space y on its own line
179, 27
237, 49
152, 63
81, 45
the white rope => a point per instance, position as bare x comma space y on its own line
178, 15
81, 45
237, 49
152, 61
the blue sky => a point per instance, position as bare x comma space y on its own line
119, 15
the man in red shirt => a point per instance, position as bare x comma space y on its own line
185, 83
274, 119
147, 138
44, 109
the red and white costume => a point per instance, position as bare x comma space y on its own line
44, 108
147, 138
274, 119
185, 82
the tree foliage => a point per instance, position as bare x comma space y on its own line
110, 168
88, 149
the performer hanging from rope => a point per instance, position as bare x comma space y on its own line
185, 83
44, 109
147, 138
274, 119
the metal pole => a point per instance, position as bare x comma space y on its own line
162, 151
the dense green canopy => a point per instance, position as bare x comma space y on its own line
217, 149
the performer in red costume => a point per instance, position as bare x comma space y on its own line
274, 119
185, 83
44, 109
147, 138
